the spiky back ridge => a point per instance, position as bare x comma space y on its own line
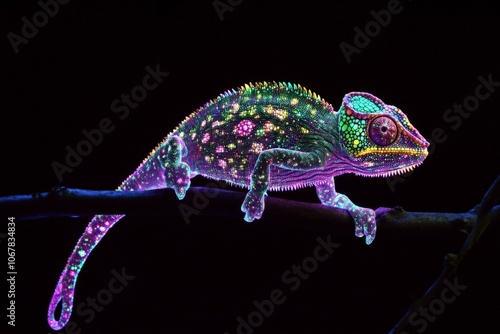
250, 87
285, 86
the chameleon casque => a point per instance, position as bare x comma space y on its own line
267, 136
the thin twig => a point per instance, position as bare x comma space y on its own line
486, 213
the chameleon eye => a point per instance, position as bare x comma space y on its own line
383, 131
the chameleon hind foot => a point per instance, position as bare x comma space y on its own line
253, 205
178, 178
177, 172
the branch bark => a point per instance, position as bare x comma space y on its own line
392, 223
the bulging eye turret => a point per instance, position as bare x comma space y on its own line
383, 131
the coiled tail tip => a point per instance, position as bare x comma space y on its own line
62, 295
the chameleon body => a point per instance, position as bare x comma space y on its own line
267, 136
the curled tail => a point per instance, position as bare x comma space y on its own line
65, 288
163, 168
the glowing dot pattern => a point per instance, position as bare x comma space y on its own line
244, 128
206, 138
266, 136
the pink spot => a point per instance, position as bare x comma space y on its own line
206, 138
220, 149
244, 128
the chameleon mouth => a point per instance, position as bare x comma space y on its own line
367, 173
392, 150
398, 171
402, 170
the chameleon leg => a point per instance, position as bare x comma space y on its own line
177, 172
364, 218
253, 205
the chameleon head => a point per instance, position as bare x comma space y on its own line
377, 138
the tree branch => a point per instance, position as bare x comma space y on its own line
216, 202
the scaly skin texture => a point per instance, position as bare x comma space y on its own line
267, 136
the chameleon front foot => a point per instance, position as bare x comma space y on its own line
178, 178
364, 223
364, 218
253, 205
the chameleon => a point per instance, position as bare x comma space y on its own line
267, 136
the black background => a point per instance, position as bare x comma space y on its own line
200, 278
